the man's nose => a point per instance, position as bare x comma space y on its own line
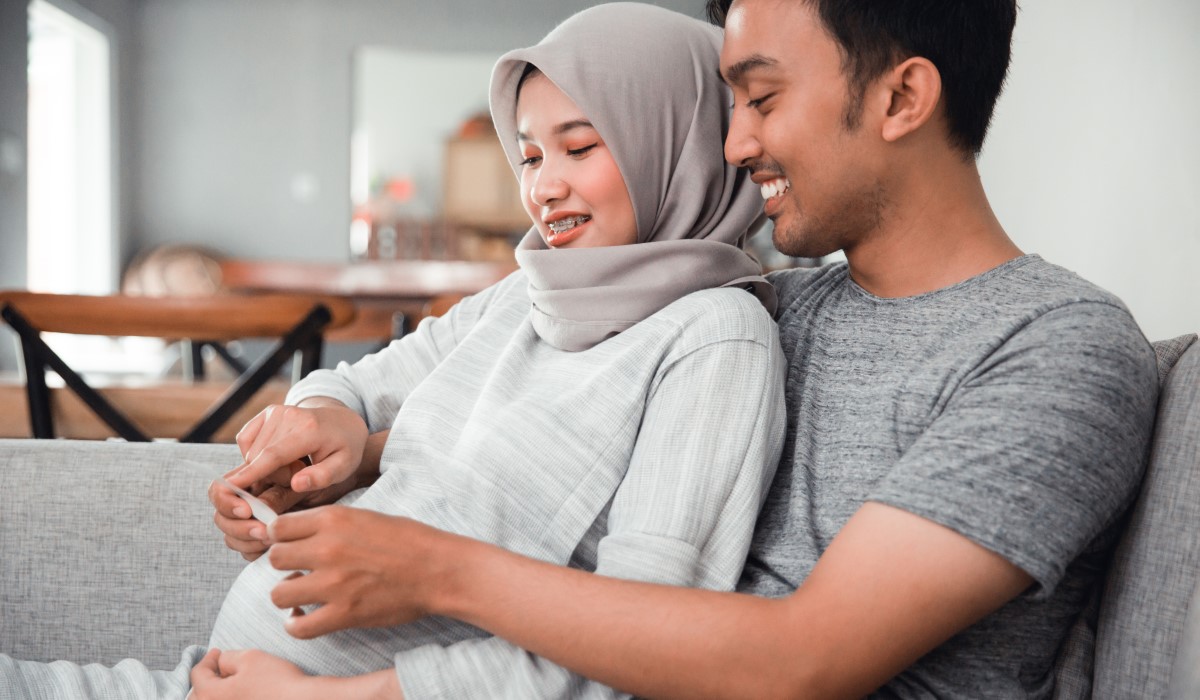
741, 145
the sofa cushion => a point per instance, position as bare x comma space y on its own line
109, 550
1076, 659
1154, 571
1185, 679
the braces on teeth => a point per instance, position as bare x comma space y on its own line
568, 223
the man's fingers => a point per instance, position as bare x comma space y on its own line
280, 498
323, 620
297, 526
301, 589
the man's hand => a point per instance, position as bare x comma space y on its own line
295, 456
365, 569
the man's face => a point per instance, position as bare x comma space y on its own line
819, 178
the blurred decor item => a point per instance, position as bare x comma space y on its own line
173, 270
482, 197
428, 178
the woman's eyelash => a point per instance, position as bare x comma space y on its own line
530, 160
580, 151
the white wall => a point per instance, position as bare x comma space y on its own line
1093, 160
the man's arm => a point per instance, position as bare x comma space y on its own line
891, 587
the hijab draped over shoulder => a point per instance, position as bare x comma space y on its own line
648, 80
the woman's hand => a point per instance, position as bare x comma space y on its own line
365, 569
304, 456
246, 675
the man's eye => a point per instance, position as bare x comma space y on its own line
580, 151
758, 102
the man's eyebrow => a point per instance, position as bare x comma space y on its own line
562, 128
737, 72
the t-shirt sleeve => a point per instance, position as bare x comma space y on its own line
1041, 447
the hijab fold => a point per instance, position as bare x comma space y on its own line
648, 80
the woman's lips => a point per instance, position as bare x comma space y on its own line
557, 240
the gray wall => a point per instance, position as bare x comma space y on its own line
13, 89
240, 99
13, 117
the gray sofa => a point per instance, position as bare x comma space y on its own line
108, 551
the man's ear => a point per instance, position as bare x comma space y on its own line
913, 88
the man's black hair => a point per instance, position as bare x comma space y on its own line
970, 42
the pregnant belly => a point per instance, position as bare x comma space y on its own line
248, 620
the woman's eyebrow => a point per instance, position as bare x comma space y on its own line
561, 128
572, 125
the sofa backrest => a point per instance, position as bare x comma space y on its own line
1153, 577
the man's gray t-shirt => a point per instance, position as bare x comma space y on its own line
1014, 408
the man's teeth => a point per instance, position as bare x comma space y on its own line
568, 223
773, 188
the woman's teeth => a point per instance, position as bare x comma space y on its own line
776, 187
568, 223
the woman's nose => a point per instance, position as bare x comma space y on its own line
548, 187
741, 145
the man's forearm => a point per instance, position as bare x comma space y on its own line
651, 640
890, 587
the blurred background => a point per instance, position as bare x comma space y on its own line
350, 132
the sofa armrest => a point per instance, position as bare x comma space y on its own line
109, 550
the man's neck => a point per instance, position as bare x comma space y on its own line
937, 231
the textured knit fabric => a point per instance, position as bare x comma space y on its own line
1014, 408
693, 207
1185, 675
1157, 564
645, 457
1075, 664
109, 553
127, 680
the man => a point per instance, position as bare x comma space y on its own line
966, 423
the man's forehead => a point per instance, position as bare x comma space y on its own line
764, 36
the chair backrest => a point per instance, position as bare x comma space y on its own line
296, 321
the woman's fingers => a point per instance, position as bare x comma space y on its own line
249, 432
227, 503
205, 672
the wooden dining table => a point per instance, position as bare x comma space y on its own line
387, 294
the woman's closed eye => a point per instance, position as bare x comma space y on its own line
577, 152
530, 161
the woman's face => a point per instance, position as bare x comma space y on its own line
570, 184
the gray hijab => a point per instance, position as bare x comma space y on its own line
648, 80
